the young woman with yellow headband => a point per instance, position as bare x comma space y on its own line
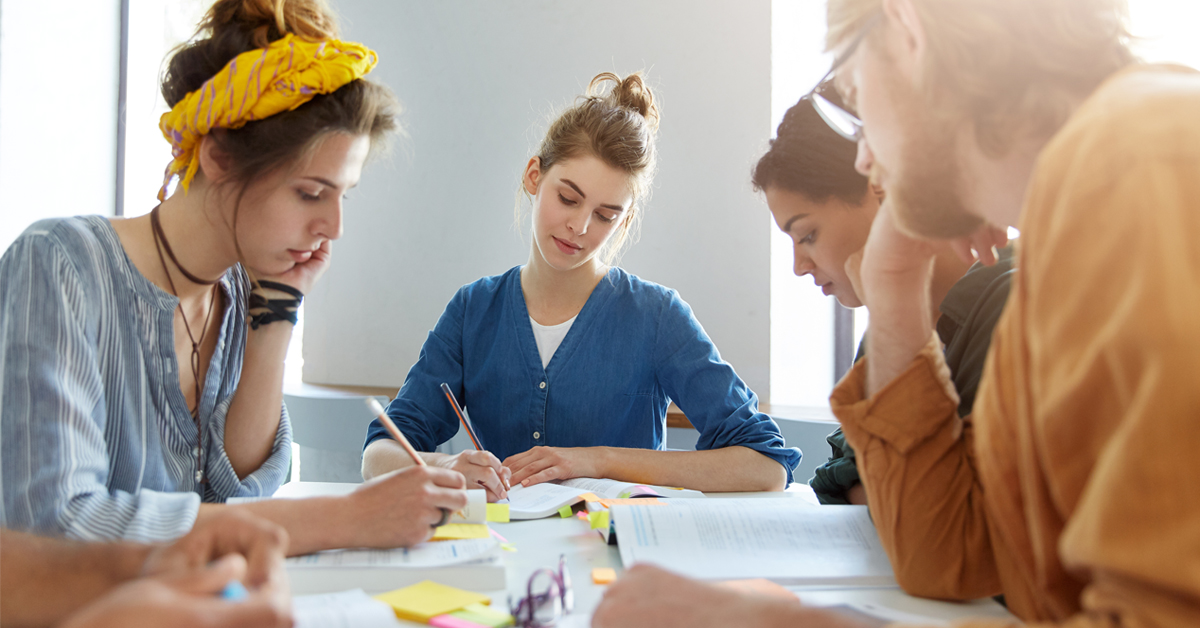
141, 360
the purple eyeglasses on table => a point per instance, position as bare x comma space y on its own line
548, 597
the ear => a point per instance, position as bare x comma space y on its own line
214, 162
532, 176
906, 34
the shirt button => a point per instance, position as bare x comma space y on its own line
537, 435
195, 451
542, 385
199, 475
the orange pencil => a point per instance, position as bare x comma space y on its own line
393, 430
461, 419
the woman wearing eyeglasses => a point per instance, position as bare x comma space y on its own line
820, 201
568, 363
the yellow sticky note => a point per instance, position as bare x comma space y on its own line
508, 547
427, 599
599, 519
452, 531
497, 513
604, 575
565, 512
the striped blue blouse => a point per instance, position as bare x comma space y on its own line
96, 436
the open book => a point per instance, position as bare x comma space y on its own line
783, 540
543, 500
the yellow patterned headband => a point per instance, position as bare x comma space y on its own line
255, 85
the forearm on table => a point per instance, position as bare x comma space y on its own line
44, 580
386, 455
254, 414
313, 524
726, 469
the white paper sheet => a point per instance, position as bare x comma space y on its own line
782, 540
348, 609
437, 554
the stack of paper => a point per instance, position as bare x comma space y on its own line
472, 564
782, 540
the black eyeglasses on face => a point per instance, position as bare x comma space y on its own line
843, 122
548, 597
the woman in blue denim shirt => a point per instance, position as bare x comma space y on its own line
567, 364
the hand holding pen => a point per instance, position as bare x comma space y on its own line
479, 466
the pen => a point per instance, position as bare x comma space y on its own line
466, 426
399, 436
462, 419
234, 591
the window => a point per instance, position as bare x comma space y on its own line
802, 319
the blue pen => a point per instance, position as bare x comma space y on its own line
234, 591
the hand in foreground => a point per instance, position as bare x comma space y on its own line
481, 468
398, 509
543, 464
649, 597
189, 599
261, 543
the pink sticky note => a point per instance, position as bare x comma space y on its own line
450, 621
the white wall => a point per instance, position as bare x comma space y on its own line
59, 76
479, 81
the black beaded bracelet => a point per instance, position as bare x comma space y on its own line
264, 310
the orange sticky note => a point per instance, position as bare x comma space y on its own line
639, 501
590, 497
760, 586
604, 575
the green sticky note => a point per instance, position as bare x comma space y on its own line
565, 512
497, 513
598, 519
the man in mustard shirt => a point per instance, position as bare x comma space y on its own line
1074, 487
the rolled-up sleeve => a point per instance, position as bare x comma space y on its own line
52, 417
916, 463
716, 401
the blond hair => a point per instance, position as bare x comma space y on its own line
1012, 68
615, 121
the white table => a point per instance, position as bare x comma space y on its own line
540, 542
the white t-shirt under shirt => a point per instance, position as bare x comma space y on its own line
549, 337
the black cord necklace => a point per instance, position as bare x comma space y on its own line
160, 243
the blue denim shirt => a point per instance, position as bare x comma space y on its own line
634, 347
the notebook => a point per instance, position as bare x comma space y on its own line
472, 564
786, 541
543, 500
